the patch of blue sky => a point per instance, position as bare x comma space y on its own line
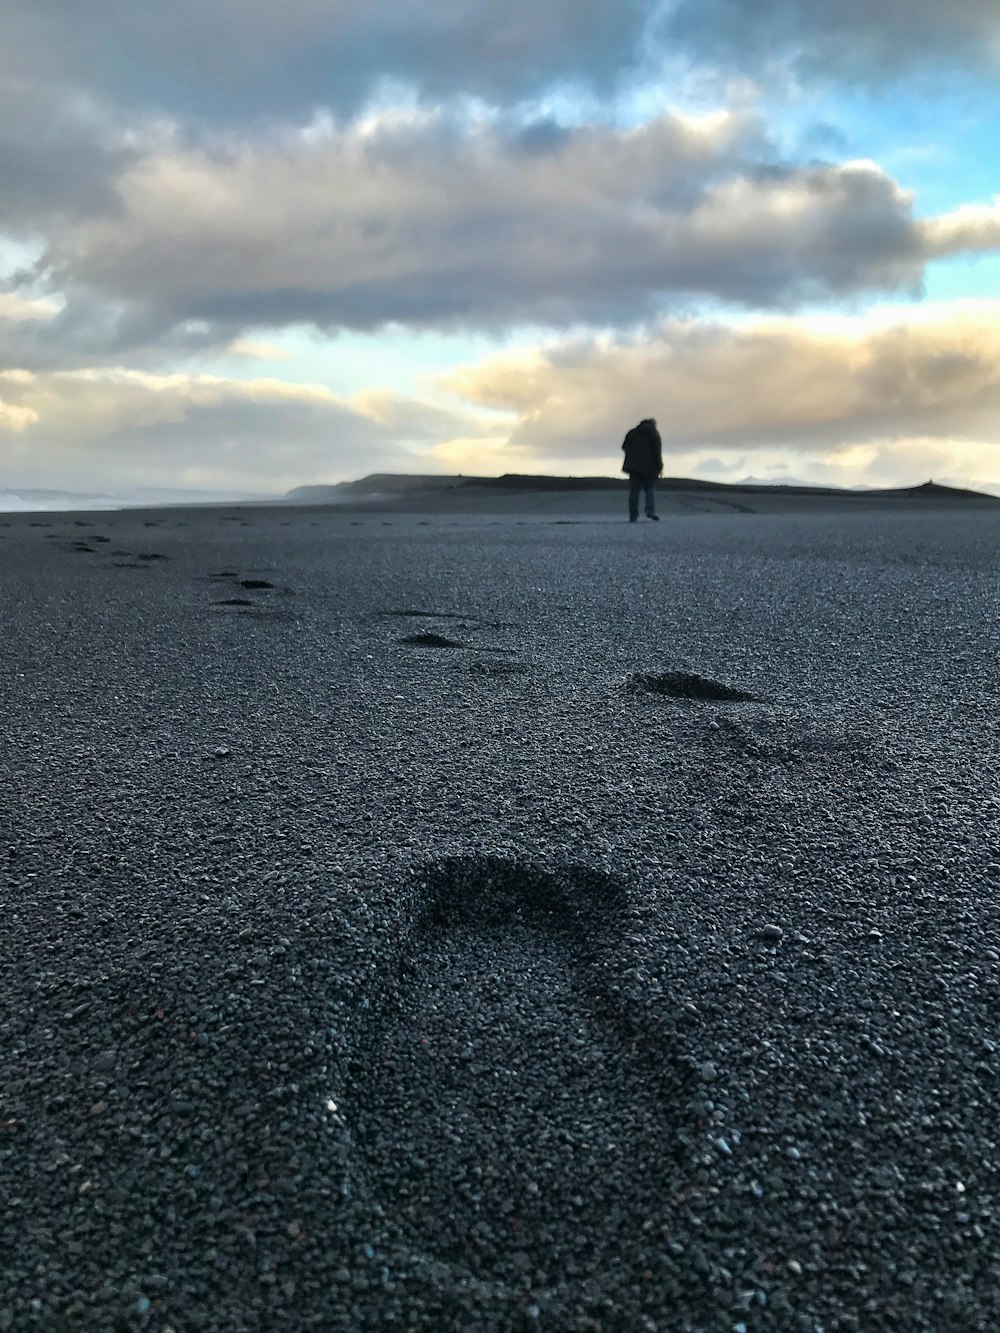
17, 255
640, 97
962, 277
940, 142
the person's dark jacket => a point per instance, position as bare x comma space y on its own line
643, 450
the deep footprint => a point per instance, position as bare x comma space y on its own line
431, 641
511, 1116
685, 685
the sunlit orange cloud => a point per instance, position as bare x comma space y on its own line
18, 309
838, 396
117, 426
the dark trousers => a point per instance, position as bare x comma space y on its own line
644, 481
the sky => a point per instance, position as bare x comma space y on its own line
246, 247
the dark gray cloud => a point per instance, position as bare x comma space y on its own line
247, 205
407, 221
86, 89
869, 41
59, 155
225, 58
84, 328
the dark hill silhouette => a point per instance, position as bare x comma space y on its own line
395, 485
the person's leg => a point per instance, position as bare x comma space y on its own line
649, 484
634, 482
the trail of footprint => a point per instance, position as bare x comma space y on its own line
245, 605
512, 1116
781, 735
796, 737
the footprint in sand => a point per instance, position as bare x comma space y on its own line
512, 1115
430, 640
685, 685
246, 606
478, 629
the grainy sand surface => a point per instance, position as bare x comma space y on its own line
392, 938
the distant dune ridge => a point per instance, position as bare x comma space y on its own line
388, 485
513, 491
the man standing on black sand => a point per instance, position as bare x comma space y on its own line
643, 463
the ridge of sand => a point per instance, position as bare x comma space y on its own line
576, 496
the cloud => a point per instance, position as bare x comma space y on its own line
13, 418
418, 220
974, 228
840, 401
251, 349
863, 41
226, 62
18, 309
816, 387
224, 59
113, 428
60, 153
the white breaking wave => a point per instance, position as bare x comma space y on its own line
49, 501
11, 502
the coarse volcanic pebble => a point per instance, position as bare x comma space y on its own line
357, 984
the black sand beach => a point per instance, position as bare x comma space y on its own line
402, 930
